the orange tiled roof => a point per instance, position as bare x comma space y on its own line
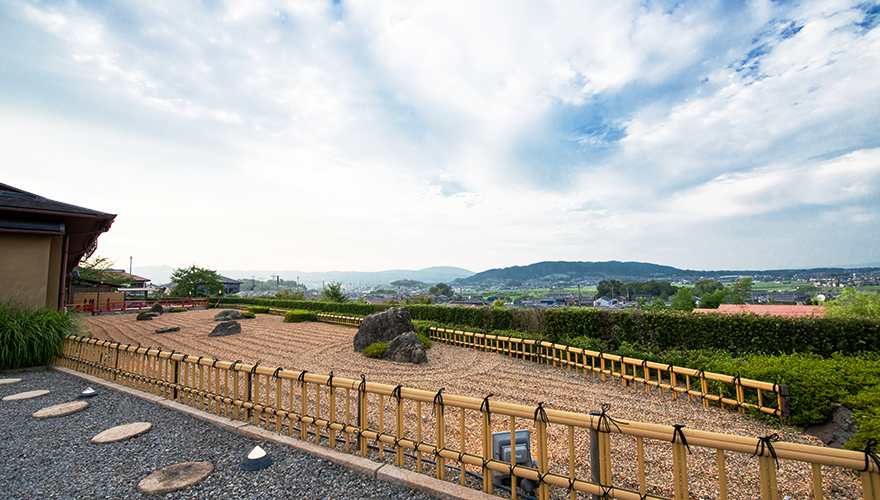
772, 310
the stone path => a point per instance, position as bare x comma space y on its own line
61, 410
4, 381
175, 477
122, 432
25, 395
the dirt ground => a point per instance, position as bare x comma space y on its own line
320, 348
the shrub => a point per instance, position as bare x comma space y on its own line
375, 350
178, 309
298, 315
32, 337
248, 314
426, 342
259, 309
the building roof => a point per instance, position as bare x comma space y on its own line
772, 310
24, 212
228, 281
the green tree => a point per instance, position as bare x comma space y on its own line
441, 289
196, 281
852, 304
683, 300
713, 300
101, 269
333, 293
706, 286
609, 288
741, 291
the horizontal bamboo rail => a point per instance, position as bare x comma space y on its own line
675, 379
352, 413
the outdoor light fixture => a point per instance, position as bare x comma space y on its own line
501, 451
88, 393
256, 459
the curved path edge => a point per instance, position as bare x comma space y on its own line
383, 472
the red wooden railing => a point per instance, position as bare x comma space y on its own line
133, 304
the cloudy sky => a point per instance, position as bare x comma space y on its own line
349, 135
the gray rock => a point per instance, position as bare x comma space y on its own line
167, 309
157, 308
406, 348
838, 431
168, 329
227, 314
147, 316
226, 328
382, 327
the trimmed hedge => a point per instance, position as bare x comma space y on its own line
740, 334
178, 309
298, 315
259, 309
248, 314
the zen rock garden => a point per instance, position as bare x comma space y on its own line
395, 328
227, 326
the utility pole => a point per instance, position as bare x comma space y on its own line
129, 264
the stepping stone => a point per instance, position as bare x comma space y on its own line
175, 477
61, 410
25, 395
4, 381
121, 432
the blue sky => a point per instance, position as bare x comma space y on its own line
337, 135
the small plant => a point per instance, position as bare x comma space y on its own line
31, 337
143, 312
376, 350
258, 309
426, 342
298, 315
248, 314
178, 309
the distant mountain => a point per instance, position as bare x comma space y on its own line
566, 271
431, 275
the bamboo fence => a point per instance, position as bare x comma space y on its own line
744, 394
429, 431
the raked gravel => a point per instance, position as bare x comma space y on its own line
54, 458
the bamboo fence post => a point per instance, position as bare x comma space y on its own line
571, 476
304, 407
513, 478
722, 475
817, 482
235, 392
440, 422
280, 404
332, 418
543, 466
381, 426
347, 415
640, 452
399, 431
418, 436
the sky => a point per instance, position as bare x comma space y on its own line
366, 136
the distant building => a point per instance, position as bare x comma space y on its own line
230, 286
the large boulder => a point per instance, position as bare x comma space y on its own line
838, 431
226, 328
406, 348
382, 327
227, 314
157, 308
146, 316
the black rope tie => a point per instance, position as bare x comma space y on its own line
438, 400
184, 357
570, 484
362, 387
767, 442
678, 433
607, 492
396, 394
606, 421
870, 456
330, 379
233, 365
485, 404
254, 368
541, 415
198, 361
302, 377
275, 374
214, 364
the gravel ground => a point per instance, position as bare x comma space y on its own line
54, 458
320, 348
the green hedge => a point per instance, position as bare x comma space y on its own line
739, 334
348, 308
259, 309
298, 315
